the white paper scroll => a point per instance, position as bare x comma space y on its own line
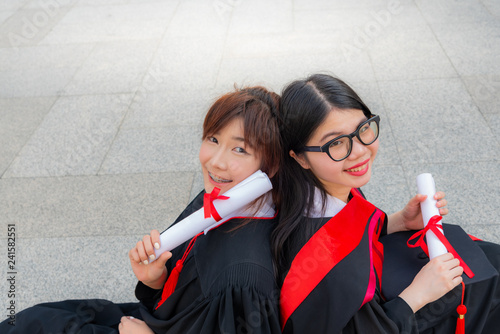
426, 186
240, 195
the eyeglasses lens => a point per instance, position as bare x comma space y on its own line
341, 148
368, 132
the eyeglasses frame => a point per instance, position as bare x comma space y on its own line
325, 148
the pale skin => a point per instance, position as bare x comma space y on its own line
436, 278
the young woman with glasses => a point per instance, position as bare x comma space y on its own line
326, 245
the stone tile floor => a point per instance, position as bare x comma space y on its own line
101, 105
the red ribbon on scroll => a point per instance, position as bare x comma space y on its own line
208, 205
437, 229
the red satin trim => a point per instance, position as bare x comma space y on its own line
370, 291
208, 205
437, 229
474, 238
325, 249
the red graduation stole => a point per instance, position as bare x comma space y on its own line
338, 237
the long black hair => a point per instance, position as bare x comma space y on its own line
304, 106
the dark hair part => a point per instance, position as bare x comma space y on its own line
304, 106
258, 108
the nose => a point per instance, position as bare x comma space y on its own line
218, 160
358, 149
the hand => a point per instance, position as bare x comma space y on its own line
152, 274
433, 281
131, 325
410, 218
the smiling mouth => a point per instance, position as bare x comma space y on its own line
218, 179
358, 167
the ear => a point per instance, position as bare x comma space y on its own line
300, 158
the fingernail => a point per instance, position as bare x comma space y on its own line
152, 256
157, 245
145, 262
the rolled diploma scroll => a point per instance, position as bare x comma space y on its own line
240, 195
426, 186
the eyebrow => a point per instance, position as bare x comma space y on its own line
238, 139
336, 133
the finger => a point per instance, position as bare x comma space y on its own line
134, 255
419, 198
142, 252
443, 212
457, 271
444, 257
452, 263
148, 246
164, 258
439, 195
441, 203
457, 280
155, 239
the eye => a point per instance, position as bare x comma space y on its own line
212, 139
337, 143
364, 128
240, 150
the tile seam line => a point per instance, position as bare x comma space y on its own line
118, 130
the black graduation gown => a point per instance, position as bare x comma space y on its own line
333, 282
227, 285
482, 291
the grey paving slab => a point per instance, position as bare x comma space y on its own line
339, 4
485, 90
50, 269
200, 18
105, 205
494, 124
168, 108
433, 121
34, 83
19, 118
4, 15
44, 57
370, 19
116, 67
276, 71
492, 6
249, 17
120, 12
27, 27
105, 31
449, 11
12, 5
483, 38
184, 63
472, 190
150, 150
419, 55
73, 138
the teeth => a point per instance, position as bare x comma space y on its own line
356, 169
217, 179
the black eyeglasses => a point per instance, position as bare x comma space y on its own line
340, 148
